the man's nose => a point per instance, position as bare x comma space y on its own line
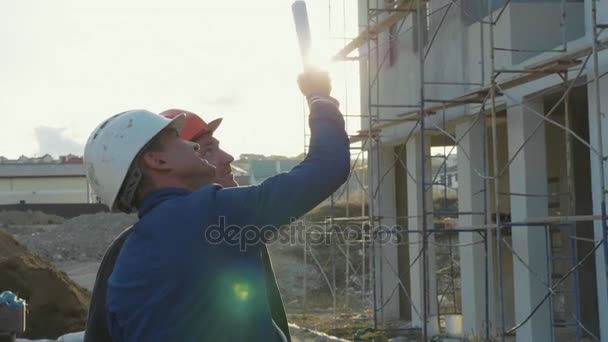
228, 158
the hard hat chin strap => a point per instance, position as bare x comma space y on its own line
124, 202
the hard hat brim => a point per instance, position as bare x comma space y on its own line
177, 123
209, 129
213, 125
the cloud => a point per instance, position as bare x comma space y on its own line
224, 100
54, 141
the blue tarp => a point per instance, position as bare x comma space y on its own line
7, 298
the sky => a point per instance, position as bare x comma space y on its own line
66, 65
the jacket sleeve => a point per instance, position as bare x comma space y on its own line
290, 195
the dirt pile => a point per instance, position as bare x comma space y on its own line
56, 305
82, 238
10, 217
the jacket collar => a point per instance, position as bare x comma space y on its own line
157, 197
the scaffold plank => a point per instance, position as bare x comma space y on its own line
351, 219
399, 12
363, 135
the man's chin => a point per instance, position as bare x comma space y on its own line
227, 181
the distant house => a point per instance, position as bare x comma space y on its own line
445, 177
47, 158
260, 170
44, 180
241, 176
71, 159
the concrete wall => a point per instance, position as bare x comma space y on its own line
538, 27
44, 190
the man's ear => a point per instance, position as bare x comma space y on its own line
155, 160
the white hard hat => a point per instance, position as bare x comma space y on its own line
115, 144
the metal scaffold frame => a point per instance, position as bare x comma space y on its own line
488, 96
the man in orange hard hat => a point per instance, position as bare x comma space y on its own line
196, 130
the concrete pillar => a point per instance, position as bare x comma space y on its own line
473, 256
597, 196
414, 160
386, 259
528, 175
594, 139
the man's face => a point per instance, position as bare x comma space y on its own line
184, 162
211, 151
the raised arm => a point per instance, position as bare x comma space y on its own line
325, 169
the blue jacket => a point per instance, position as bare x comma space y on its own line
191, 270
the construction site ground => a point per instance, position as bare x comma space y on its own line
56, 260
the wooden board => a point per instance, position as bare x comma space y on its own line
402, 10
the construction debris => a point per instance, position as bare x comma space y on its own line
56, 305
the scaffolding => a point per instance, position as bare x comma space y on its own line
485, 98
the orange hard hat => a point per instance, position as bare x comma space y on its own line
194, 126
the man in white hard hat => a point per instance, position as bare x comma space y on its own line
201, 132
191, 269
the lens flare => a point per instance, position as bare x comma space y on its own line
240, 291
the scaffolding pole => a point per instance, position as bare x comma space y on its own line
422, 178
601, 158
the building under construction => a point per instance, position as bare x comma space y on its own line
514, 92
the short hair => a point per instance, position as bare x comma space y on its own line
136, 181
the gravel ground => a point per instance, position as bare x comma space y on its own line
83, 238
